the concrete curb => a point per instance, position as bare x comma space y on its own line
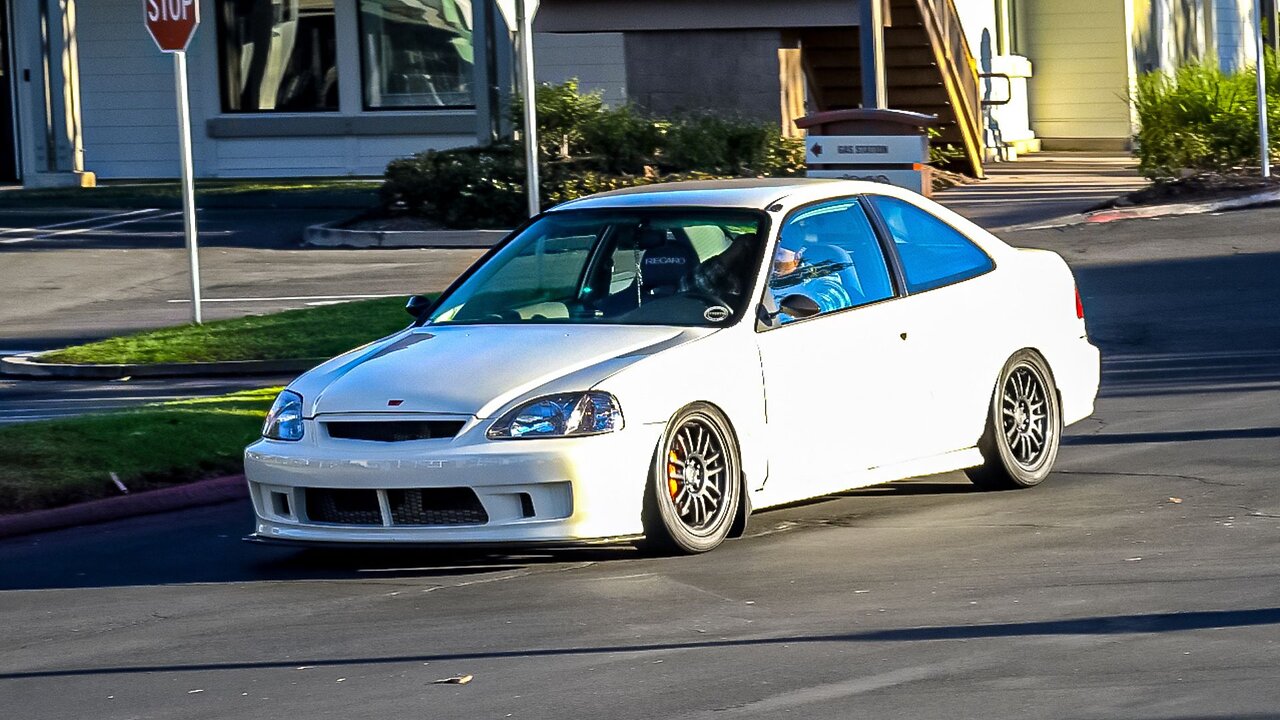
334, 235
27, 366
1265, 197
179, 497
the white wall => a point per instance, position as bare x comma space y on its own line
598, 60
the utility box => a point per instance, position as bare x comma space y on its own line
888, 146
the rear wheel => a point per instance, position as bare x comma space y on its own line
1024, 426
695, 484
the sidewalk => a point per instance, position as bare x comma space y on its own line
1043, 185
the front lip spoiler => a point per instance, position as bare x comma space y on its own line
258, 539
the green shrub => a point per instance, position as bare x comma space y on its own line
470, 187
729, 145
1200, 118
622, 138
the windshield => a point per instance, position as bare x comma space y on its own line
662, 266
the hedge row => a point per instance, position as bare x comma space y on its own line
1200, 118
586, 148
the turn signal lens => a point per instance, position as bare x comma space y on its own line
1079, 306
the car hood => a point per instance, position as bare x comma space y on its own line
476, 369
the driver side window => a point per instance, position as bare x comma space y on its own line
829, 254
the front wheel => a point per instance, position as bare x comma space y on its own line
1024, 426
695, 484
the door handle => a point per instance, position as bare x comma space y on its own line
902, 335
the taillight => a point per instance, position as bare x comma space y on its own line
1079, 306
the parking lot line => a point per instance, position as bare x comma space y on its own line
80, 221
131, 219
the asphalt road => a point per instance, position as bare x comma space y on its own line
61, 284
1138, 582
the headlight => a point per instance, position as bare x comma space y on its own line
284, 421
573, 414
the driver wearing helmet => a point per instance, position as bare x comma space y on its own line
818, 281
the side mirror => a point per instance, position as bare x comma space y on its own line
418, 305
799, 306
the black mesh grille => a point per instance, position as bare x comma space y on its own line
343, 507
393, 430
436, 506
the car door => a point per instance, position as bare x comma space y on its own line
838, 392
955, 312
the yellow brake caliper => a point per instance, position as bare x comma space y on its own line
673, 473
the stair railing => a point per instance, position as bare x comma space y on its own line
959, 73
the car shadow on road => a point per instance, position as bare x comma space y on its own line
1137, 624
1173, 436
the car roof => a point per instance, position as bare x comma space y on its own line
753, 193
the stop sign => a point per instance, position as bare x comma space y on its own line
171, 22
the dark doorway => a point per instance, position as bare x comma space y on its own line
8, 142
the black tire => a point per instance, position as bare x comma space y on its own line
1024, 426
695, 484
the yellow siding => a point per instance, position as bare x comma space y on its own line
1080, 55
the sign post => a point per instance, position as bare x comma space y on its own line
1264, 152
171, 24
519, 16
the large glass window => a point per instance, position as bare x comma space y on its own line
416, 53
830, 254
652, 267
933, 253
277, 55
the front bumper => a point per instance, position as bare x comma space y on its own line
544, 491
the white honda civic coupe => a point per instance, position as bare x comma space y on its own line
652, 365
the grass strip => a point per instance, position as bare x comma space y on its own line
318, 332
52, 463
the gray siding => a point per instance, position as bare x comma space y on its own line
1233, 33
128, 107
597, 60
735, 71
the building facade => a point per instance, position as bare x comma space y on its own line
278, 88
283, 88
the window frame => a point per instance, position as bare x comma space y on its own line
882, 228
364, 67
890, 256
223, 97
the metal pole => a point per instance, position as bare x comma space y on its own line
188, 183
524, 36
1264, 152
871, 40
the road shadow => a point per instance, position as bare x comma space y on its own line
1173, 436
1192, 325
1146, 623
204, 545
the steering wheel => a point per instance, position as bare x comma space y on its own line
505, 316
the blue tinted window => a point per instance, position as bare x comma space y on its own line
829, 253
933, 253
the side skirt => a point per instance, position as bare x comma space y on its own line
775, 493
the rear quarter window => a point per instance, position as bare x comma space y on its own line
933, 253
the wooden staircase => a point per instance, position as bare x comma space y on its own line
928, 69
